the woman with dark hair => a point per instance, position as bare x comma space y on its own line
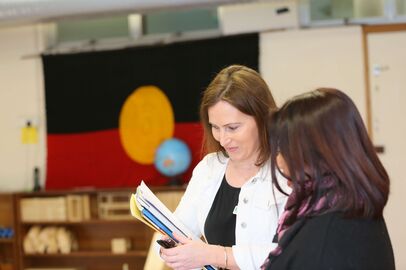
230, 200
333, 218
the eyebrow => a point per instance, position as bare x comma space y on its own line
229, 124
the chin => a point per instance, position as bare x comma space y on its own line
235, 157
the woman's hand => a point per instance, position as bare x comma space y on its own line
188, 254
164, 238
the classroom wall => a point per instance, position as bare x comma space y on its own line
296, 61
387, 58
291, 62
301, 60
21, 99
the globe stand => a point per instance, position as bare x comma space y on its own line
175, 180
172, 158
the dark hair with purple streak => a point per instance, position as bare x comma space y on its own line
321, 134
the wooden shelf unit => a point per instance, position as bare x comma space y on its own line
92, 254
8, 246
93, 235
7, 240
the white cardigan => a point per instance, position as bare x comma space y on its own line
256, 211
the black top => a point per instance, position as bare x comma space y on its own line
219, 227
331, 242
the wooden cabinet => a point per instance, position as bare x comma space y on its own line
8, 241
93, 231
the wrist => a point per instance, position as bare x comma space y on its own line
225, 254
216, 256
221, 257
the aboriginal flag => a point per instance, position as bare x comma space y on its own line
86, 93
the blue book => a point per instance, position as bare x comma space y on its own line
147, 214
162, 215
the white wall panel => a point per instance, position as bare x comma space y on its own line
21, 99
296, 61
387, 57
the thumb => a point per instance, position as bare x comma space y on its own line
183, 240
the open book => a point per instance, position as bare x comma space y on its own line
147, 208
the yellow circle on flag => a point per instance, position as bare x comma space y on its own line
146, 119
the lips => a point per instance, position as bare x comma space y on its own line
231, 149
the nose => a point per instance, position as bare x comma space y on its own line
224, 138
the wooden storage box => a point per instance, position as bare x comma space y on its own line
43, 209
120, 245
114, 205
78, 207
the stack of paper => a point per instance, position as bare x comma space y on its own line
146, 207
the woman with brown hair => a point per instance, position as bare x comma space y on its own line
333, 218
230, 199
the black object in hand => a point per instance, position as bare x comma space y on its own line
167, 243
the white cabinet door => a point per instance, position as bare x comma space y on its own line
293, 62
387, 59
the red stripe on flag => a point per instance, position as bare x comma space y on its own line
192, 135
97, 159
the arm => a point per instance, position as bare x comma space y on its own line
195, 254
191, 200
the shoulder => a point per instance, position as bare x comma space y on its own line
212, 161
208, 171
351, 229
335, 242
265, 174
339, 229
215, 158
364, 243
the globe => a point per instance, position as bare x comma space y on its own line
172, 157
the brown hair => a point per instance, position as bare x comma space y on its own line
322, 132
244, 89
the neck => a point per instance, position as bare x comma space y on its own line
243, 165
237, 173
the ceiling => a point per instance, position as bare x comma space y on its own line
31, 11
